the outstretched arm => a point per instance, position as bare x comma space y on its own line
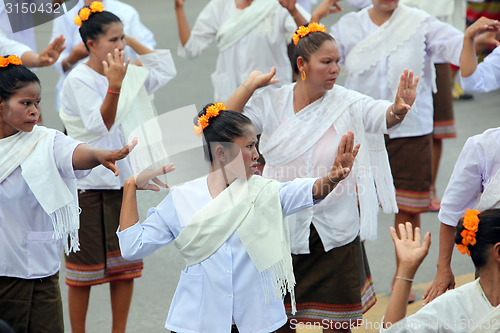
47, 57
129, 214
405, 97
255, 80
341, 167
87, 157
410, 255
324, 9
294, 12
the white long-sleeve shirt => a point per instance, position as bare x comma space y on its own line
477, 163
132, 26
28, 249
224, 287
264, 47
441, 40
486, 77
82, 95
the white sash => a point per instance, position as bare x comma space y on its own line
34, 152
252, 208
133, 97
400, 39
240, 25
299, 133
491, 194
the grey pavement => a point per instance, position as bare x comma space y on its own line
154, 291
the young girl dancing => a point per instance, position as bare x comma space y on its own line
102, 100
229, 228
38, 202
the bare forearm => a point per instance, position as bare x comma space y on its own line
85, 157
297, 17
398, 302
30, 59
129, 214
240, 97
182, 25
137, 46
109, 106
468, 59
392, 116
446, 243
322, 187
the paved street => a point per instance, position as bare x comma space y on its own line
154, 291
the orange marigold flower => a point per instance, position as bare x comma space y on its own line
303, 31
471, 220
203, 121
84, 13
14, 60
96, 7
198, 130
4, 62
212, 111
463, 249
468, 237
78, 20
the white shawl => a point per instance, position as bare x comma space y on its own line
240, 25
299, 133
34, 152
252, 208
401, 40
490, 197
133, 97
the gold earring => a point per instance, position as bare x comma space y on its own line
303, 75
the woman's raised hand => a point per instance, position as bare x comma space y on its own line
115, 69
51, 53
179, 3
346, 154
409, 251
258, 79
407, 93
143, 180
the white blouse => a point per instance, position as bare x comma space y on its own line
486, 77
442, 40
477, 163
264, 47
64, 25
336, 218
82, 95
27, 245
226, 286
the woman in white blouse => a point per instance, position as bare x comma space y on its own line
250, 35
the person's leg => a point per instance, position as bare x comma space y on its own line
78, 302
121, 296
437, 150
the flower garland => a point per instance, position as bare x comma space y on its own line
203, 121
12, 59
85, 12
303, 31
470, 223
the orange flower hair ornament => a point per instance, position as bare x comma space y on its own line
12, 59
303, 31
85, 12
212, 112
470, 223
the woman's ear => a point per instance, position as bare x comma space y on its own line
220, 154
301, 64
496, 252
90, 45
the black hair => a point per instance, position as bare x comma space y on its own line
97, 25
487, 235
225, 127
14, 77
308, 45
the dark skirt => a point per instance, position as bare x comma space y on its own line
410, 160
32, 305
99, 259
335, 286
444, 120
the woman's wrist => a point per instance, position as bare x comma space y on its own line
130, 183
